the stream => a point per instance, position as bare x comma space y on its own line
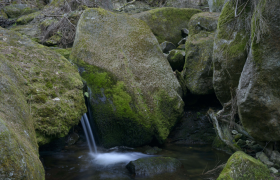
76, 163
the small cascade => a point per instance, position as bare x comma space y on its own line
88, 134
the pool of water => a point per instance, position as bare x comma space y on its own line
76, 163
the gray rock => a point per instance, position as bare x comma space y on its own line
273, 170
258, 97
234, 132
275, 157
229, 53
176, 59
132, 84
167, 46
153, 165
263, 158
16, 10
185, 32
182, 41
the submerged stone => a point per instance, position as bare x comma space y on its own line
153, 165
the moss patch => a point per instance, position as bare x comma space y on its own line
243, 166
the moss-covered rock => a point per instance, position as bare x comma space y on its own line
166, 23
16, 10
3, 15
198, 71
258, 95
230, 52
176, 59
27, 18
135, 96
19, 158
242, 166
197, 4
52, 85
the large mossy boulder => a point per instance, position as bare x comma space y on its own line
176, 59
135, 96
198, 70
242, 166
152, 166
230, 54
51, 85
16, 10
19, 157
258, 97
166, 23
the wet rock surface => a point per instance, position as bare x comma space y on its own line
153, 165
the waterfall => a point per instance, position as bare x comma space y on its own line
88, 133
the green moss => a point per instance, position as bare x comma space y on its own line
27, 18
64, 52
166, 23
242, 166
3, 14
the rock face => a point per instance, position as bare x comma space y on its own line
258, 97
243, 166
135, 96
166, 23
52, 86
198, 71
19, 158
153, 165
230, 53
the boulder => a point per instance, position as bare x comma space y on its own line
258, 97
166, 23
176, 59
167, 46
134, 94
243, 166
27, 18
198, 71
16, 10
153, 165
51, 84
275, 157
229, 54
19, 157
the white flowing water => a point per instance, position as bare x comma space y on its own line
88, 134
112, 158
